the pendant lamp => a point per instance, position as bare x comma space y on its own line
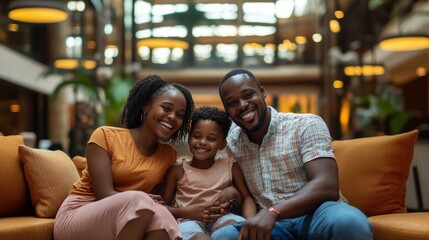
48, 11
402, 42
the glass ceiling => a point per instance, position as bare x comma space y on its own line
220, 34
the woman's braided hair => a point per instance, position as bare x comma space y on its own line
142, 93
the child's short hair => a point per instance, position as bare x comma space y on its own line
213, 114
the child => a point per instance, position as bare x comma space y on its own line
201, 187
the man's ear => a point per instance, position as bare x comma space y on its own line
264, 93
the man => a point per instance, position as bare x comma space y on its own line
290, 169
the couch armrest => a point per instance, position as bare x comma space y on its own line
401, 226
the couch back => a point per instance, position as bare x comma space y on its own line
14, 195
373, 171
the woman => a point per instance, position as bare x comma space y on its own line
112, 200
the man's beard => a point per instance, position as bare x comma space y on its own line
258, 125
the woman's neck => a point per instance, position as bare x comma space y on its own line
146, 143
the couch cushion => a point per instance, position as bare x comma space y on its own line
80, 163
14, 196
401, 226
19, 228
50, 176
373, 171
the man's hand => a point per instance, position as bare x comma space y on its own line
222, 203
258, 227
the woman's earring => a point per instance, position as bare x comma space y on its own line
142, 117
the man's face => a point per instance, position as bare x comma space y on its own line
244, 101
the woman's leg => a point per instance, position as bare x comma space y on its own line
83, 218
137, 227
160, 234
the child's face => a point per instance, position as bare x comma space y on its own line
205, 140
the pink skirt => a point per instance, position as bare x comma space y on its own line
81, 217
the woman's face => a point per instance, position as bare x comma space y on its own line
164, 114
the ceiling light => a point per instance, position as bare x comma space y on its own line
162, 43
37, 11
70, 64
404, 43
335, 26
365, 70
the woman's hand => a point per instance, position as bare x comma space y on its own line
157, 198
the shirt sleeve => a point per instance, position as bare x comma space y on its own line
315, 139
99, 137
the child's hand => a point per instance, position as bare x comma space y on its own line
225, 196
224, 201
211, 214
200, 213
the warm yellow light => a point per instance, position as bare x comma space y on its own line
300, 39
334, 25
421, 71
405, 43
371, 70
366, 70
91, 44
345, 115
37, 11
338, 84
339, 14
287, 45
15, 108
89, 64
13, 27
69, 64
162, 43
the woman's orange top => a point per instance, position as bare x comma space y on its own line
130, 169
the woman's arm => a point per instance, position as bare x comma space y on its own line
248, 205
100, 170
173, 175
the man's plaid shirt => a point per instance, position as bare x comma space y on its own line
275, 169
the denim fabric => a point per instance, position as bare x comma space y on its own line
332, 220
189, 228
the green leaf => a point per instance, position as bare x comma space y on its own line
88, 86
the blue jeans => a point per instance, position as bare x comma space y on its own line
188, 228
332, 220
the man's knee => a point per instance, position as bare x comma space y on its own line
226, 233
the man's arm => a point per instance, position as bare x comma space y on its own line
322, 175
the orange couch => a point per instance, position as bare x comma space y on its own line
33, 184
373, 172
